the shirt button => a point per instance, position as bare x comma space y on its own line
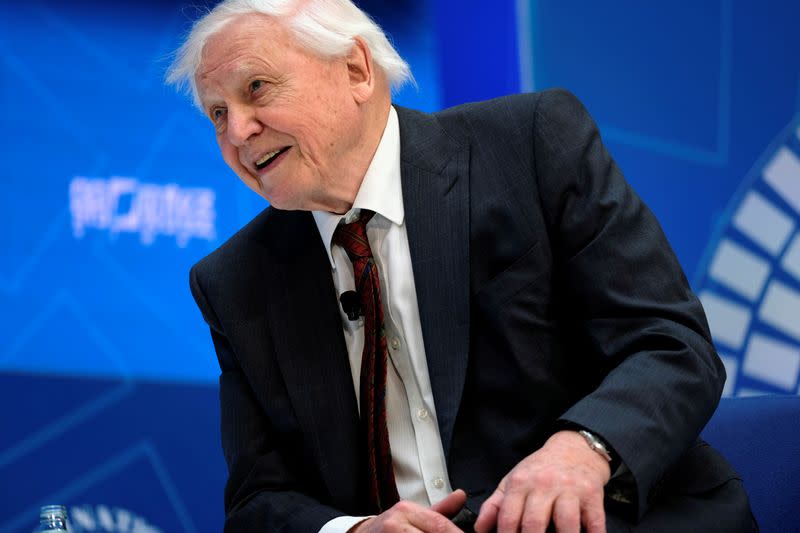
422, 413
395, 343
438, 483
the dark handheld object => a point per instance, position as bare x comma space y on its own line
351, 305
465, 520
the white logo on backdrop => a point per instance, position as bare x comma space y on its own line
751, 284
169, 210
107, 519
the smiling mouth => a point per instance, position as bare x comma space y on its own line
265, 161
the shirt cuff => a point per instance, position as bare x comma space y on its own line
622, 469
342, 524
621, 488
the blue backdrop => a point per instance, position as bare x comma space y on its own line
113, 187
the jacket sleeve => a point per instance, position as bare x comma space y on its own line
629, 297
260, 494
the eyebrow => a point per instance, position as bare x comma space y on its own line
208, 100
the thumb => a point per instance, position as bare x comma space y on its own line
452, 504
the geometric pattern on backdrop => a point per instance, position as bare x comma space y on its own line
750, 284
123, 456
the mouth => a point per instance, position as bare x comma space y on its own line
269, 158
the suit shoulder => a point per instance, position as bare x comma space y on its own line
272, 236
238, 250
208, 278
556, 97
508, 115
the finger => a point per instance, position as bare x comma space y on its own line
364, 526
429, 520
487, 516
567, 514
593, 514
537, 513
406, 516
509, 517
452, 504
394, 527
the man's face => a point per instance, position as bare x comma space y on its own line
286, 120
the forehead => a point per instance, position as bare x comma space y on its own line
247, 42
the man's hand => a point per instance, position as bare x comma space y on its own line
562, 481
409, 516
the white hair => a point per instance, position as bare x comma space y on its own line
324, 27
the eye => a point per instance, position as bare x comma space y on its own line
256, 85
217, 113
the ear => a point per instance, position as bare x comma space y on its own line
361, 71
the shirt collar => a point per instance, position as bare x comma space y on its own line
380, 190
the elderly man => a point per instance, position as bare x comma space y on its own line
472, 300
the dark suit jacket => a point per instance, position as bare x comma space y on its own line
547, 292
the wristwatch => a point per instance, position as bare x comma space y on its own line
596, 444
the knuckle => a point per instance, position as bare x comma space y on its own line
569, 516
391, 522
533, 522
517, 478
493, 500
546, 478
507, 523
403, 506
596, 520
596, 524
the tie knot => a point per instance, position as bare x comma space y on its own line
353, 236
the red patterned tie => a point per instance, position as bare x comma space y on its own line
382, 489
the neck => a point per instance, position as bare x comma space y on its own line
368, 142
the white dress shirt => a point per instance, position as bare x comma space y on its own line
417, 454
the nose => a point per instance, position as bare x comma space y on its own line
242, 124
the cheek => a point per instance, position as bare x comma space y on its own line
320, 134
229, 152
231, 156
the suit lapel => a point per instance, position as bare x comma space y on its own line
435, 178
313, 358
